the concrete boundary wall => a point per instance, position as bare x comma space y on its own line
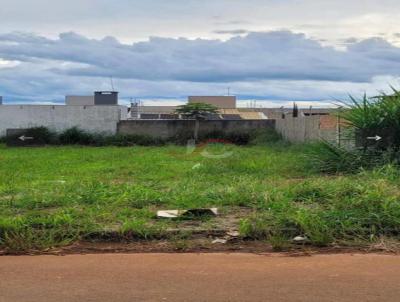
169, 128
101, 119
308, 128
112, 119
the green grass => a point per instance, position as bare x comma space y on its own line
56, 195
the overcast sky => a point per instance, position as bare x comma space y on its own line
273, 51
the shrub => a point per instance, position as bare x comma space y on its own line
76, 136
257, 137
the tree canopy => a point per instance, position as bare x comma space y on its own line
196, 110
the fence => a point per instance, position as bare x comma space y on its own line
308, 128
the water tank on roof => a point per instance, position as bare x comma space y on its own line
106, 98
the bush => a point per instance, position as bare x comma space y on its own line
256, 137
76, 136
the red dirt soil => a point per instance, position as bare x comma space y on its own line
200, 277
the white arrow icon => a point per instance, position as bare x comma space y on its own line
24, 138
375, 138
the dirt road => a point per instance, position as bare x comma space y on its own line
199, 277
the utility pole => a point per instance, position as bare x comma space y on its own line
112, 83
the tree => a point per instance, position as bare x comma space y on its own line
295, 110
197, 111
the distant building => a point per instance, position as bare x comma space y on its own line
76, 100
1, 100
168, 113
98, 99
221, 102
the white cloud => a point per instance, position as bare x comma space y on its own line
8, 64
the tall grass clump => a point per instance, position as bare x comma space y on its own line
376, 117
329, 158
356, 209
380, 116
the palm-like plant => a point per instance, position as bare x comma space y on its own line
197, 111
377, 115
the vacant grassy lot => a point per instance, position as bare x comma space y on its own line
55, 195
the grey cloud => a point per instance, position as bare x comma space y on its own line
73, 62
256, 56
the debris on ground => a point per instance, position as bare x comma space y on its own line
300, 239
229, 237
219, 241
187, 213
197, 166
233, 234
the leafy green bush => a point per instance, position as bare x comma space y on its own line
255, 137
75, 136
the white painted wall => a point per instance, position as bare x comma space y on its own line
59, 117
